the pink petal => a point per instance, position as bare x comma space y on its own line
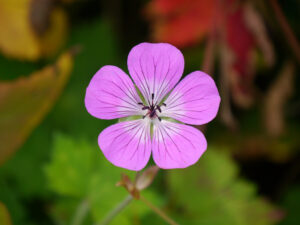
155, 69
195, 100
176, 145
127, 144
111, 94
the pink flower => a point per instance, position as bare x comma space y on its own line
154, 107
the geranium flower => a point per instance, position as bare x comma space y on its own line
155, 110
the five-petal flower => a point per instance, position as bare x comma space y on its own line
157, 109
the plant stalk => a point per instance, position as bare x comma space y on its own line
113, 213
81, 212
159, 212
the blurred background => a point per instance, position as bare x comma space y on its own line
51, 168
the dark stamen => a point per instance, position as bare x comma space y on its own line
152, 108
152, 99
152, 113
158, 108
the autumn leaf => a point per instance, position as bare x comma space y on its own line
30, 30
181, 22
231, 22
25, 101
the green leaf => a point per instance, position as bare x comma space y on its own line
211, 193
290, 204
71, 167
78, 169
12, 203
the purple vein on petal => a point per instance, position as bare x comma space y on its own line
195, 100
111, 94
127, 144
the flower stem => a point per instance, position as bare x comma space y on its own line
113, 213
158, 211
81, 212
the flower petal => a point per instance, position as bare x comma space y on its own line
111, 94
155, 69
176, 145
127, 144
195, 100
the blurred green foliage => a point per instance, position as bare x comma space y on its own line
290, 203
212, 193
78, 170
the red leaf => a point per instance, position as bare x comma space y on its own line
187, 22
181, 22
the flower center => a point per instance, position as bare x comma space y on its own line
151, 109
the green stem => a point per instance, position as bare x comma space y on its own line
81, 212
113, 213
159, 212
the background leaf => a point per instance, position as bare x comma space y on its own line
18, 37
211, 188
4, 215
25, 101
85, 176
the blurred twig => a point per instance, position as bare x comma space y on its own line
226, 58
208, 60
226, 112
287, 31
276, 98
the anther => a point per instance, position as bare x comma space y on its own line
152, 96
140, 103
145, 107
159, 118
158, 108
164, 104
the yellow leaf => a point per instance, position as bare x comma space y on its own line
4, 215
24, 102
19, 37
54, 37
